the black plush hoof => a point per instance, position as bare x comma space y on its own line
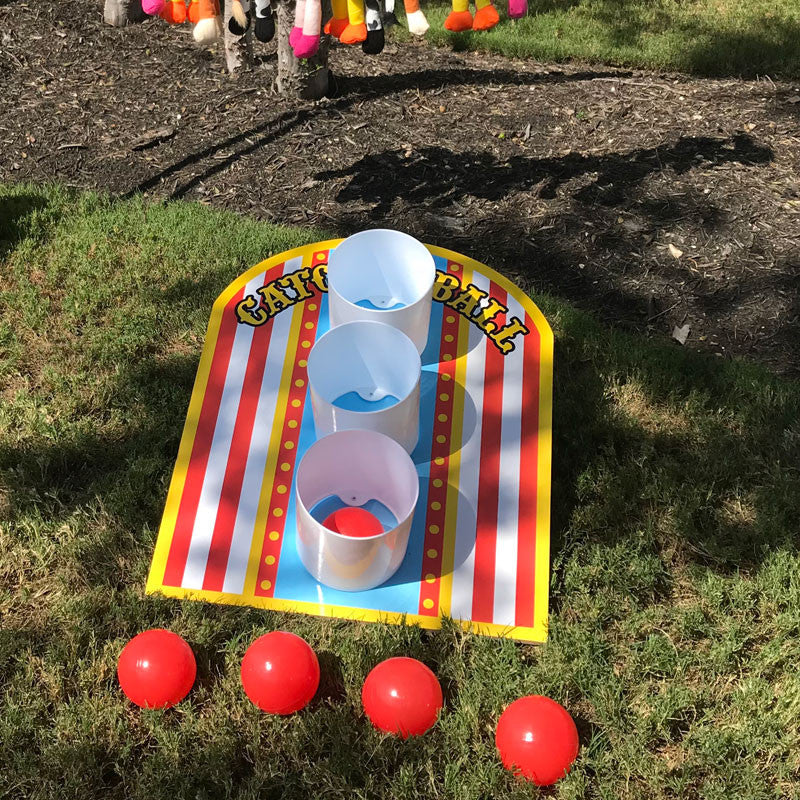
374, 42
265, 28
235, 28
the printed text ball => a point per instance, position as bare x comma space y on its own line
156, 669
280, 673
402, 696
537, 739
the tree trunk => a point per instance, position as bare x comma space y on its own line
238, 49
309, 79
120, 12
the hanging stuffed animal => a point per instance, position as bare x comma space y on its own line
207, 20
304, 36
347, 23
517, 8
417, 23
352, 23
375, 40
240, 18
460, 18
203, 14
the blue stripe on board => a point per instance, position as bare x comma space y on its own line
401, 593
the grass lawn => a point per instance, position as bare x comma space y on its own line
675, 608
710, 37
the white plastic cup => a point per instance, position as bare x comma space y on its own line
385, 268
373, 360
356, 466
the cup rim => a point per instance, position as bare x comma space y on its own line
404, 307
367, 322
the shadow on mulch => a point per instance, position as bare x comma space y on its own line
355, 90
437, 177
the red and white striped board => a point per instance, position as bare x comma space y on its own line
479, 546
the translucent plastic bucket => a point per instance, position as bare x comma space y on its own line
365, 375
382, 276
355, 466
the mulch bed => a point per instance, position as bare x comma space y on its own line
653, 200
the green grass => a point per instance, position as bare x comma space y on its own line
675, 624
709, 37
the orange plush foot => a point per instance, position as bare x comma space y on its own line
194, 12
459, 21
485, 18
174, 12
334, 27
353, 34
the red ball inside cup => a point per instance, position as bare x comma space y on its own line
353, 521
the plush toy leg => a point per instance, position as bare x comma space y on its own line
338, 22
387, 14
239, 20
417, 23
486, 16
153, 7
356, 30
297, 29
265, 22
209, 26
308, 42
459, 19
375, 36
174, 12
517, 8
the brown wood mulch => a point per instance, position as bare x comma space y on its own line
655, 201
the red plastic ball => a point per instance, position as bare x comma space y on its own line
354, 521
537, 739
156, 669
280, 673
402, 696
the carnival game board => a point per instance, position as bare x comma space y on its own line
479, 546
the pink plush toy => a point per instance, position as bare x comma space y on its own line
517, 8
304, 36
152, 7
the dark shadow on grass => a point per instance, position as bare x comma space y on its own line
15, 213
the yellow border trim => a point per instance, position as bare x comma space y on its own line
539, 630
